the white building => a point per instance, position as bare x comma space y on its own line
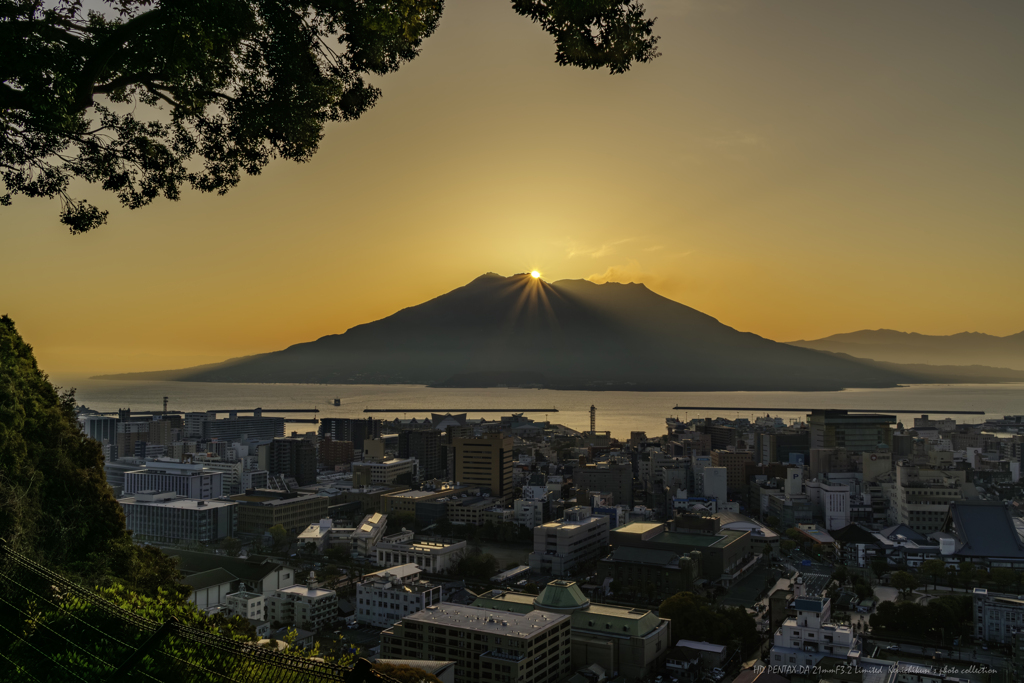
997, 617
559, 547
430, 556
185, 479
715, 484
528, 513
383, 598
831, 501
308, 608
361, 540
385, 473
246, 604
165, 517
811, 635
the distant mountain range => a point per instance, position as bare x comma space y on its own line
966, 348
570, 334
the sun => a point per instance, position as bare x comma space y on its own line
535, 274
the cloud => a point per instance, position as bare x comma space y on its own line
597, 252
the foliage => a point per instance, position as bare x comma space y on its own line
405, 673
339, 554
772, 521
934, 569
55, 505
904, 582
879, 567
788, 545
156, 95
478, 565
694, 618
232, 546
279, 536
949, 616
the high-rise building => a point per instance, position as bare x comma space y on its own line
184, 479
236, 428
857, 433
428, 447
355, 430
614, 477
735, 464
716, 485
334, 453
293, 458
169, 518
100, 428
560, 547
485, 463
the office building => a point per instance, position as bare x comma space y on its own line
856, 432
735, 463
185, 479
562, 546
360, 540
633, 642
997, 617
487, 464
383, 598
165, 517
100, 428
260, 509
433, 557
716, 484
919, 497
385, 473
428, 448
485, 645
615, 478
353, 430
335, 454
650, 575
726, 554
292, 457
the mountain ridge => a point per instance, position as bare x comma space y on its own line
572, 334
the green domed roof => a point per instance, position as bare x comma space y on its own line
562, 595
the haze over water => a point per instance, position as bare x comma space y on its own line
617, 411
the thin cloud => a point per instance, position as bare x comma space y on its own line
597, 252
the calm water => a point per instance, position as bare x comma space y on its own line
617, 411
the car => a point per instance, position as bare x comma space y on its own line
893, 648
984, 647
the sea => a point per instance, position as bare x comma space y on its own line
619, 412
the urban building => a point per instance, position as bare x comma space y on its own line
633, 642
360, 540
334, 454
433, 557
528, 513
830, 503
291, 457
486, 464
735, 463
206, 571
166, 517
857, 432
383, 598
241, 427
726, 554
650, 575
185, 479
716, 484
809, 637
385, 473
252, 606
100, 428
560, 547
260, 509
485, 645
428, 448
919, 497
312, 609
353, 430
615, 478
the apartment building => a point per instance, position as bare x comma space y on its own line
560, 547
312, 609
498, 647
383, 598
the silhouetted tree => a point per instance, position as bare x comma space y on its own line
241, 82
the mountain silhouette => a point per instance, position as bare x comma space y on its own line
570, 334
965, 348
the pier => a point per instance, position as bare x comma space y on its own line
460, 410
848, 410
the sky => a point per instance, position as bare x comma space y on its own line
794, 168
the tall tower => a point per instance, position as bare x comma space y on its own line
593, 419
165, 406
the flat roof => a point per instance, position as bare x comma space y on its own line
722, 538
639, 527
180, 503
487, 621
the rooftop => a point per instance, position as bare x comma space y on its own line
487, 621
639, 527
703, 646
722, 538
180, 503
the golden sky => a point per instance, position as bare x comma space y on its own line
795, 168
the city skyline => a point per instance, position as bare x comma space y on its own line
792, 170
